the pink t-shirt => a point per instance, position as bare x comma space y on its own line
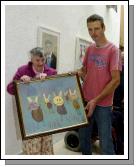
99, 62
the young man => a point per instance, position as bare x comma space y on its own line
101, 73
36, 68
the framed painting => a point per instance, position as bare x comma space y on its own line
49, 40
48, 106
81, 46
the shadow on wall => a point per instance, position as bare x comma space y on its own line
16, 121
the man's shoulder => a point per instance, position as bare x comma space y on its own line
112, 45
90, 47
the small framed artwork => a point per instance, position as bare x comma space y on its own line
49, 106
81, 46
49, 40
114, 7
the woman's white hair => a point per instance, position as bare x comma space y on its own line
38, 51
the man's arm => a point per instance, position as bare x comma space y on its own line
82, 72
109, 88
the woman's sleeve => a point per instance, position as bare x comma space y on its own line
10, 86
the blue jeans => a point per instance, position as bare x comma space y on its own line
102, 116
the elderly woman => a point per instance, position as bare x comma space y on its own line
36, 68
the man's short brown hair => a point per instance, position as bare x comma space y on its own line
95, 17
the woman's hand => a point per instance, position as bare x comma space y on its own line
42, 76
25, 78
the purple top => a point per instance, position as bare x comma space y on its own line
27, 70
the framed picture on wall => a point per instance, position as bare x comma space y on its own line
50, 41
48, 106
81, 46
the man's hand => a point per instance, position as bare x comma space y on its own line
90, 107
25, 78
72, 72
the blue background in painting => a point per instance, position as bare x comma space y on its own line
51, 118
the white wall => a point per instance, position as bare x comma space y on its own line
21, 35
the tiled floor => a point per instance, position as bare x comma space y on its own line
60, 147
